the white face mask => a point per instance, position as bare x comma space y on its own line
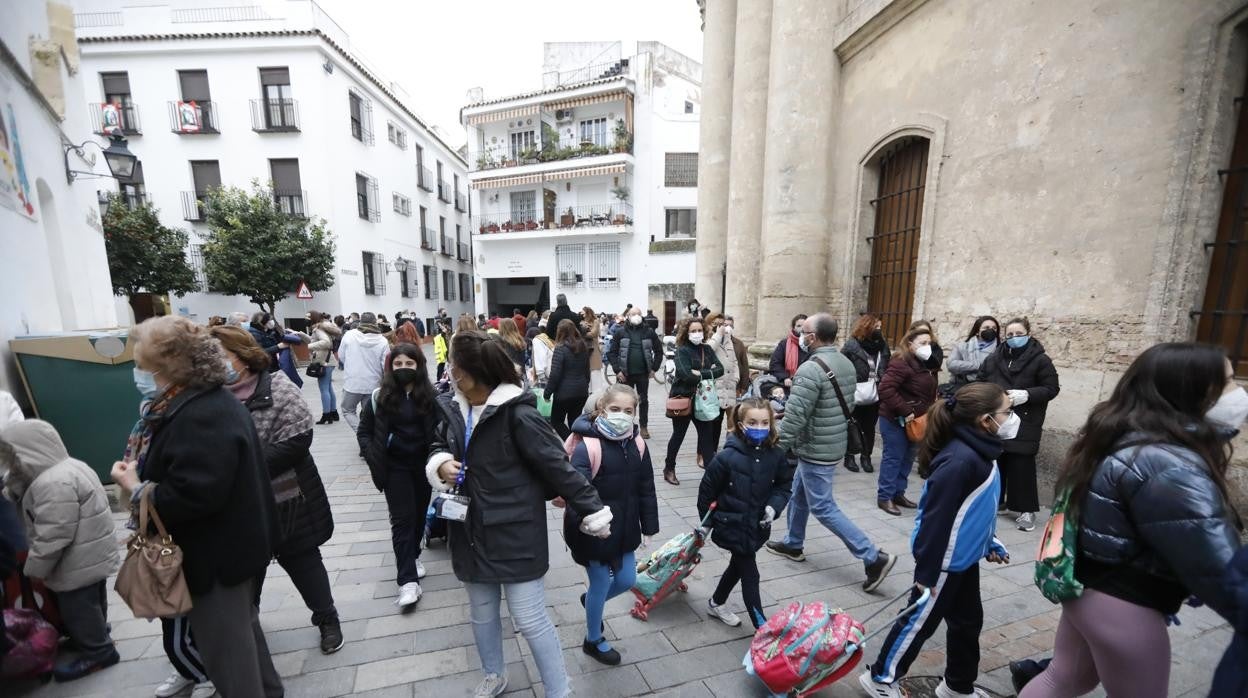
634, 319
695, 337
727, 330
923, 352
1231, 409
1009, 428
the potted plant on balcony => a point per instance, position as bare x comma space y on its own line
567, 219
485, 161
492, 227
530, 225
622, 193
528, 156
623, 139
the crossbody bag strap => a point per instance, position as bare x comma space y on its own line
835, 385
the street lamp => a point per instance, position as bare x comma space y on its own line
117, 156
400, 265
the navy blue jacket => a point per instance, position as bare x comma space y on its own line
744, 480
1231, 678
625, 482
957, 515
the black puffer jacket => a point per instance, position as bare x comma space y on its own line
1027, 369
776, 365
515, 463
1154, 528
863, 360
651, 348
569, 374
625, 482
744, 480
375, 439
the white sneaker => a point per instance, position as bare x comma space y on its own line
204, 690
943, 691
492, 685
175, 684
722, 613
420, 569
1026, 521
876, 689
408, 594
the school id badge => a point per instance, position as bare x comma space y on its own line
452, 507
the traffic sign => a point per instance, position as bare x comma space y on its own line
304, 293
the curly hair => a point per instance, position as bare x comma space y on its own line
182, 352
864, 326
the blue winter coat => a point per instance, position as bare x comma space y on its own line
1231, 678
625, 482
744, 480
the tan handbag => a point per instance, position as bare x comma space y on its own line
150, 580
917, 428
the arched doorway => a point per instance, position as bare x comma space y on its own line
898, 207
57, 259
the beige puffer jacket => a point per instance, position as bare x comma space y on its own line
64, 508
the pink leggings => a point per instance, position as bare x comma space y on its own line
1102, 639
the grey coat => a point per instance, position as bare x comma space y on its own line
814, 424
64, 508
965, 360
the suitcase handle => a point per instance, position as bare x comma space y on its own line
922, 600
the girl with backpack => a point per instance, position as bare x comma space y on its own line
607, 450
954, 529
749, 482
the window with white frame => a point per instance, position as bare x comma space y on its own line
682, 223
448, 284
523, 206
681, 170
570, 265
594, 131
402, 204
374, 273
523, 143
361, 109
367, 205
396, 134
604, 265
431, 282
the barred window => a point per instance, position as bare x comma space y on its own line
367, 205
396, 134
681, 170
431, 282
570, 262
465, 287
604, 265
448, 284
197, 265
374, 274
682, 222
402, 204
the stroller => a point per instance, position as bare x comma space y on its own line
666, 569
762, 388
811, 645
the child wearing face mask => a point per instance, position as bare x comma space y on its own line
954, 529
608, 451
749, 482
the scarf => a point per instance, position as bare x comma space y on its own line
140, 439
244, 387
872, 346
368, 328
792, 352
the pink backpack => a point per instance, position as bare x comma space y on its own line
593, 447
34, 645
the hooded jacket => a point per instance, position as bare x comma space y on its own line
515, 463
362, 352
64, 509
1027, 369
625, 482
744, 480
322, 345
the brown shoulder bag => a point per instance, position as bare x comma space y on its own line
150, 580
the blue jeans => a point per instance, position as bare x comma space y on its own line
526, 602
329, 401
812, 494
603, 586
896, 462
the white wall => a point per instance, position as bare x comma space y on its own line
53, 268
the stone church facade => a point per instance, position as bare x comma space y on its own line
1067, 161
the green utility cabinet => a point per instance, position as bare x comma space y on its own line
82, 383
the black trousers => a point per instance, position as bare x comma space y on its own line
563, 413
742, 568
407, 498
706, 440
717, 430
1018, 482
955, 600
441, 367
85, 612
641, 383
180, 648
866, 416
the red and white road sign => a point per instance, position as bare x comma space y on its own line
304, 293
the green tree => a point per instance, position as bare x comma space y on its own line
255, 249
143, 255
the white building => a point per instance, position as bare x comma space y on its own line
589, 186
53, 269
279, 94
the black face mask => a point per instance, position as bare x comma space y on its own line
988, 334
876, 335
405, 376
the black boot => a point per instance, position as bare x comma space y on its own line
850, 464
333, 416
867, 466
325, 419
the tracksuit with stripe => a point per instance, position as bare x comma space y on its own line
953, 530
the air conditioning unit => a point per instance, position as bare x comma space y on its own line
567, 278
563, 115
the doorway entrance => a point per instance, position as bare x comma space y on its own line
524, 293
895, 241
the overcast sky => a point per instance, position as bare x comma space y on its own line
495, 44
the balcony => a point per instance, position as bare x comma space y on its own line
552, 150
108, 118
588, 218
428, 237
444, 192
424, 178
189, 118
461, 202
465, 253
291, 202
194, 206
448, 246
274, 115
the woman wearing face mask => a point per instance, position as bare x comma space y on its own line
495, 463
568, 383
868, 351
732, 353
789, 354
695, 362
1148, 490
612, 456
264, 330
933, 362
1028, 376
967, 357
907, 390
396, 433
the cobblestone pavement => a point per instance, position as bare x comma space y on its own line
679, 652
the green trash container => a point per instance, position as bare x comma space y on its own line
82, 383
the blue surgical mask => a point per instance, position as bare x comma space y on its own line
1018, 342
231, 375
145, 381
616, 426
757, 435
